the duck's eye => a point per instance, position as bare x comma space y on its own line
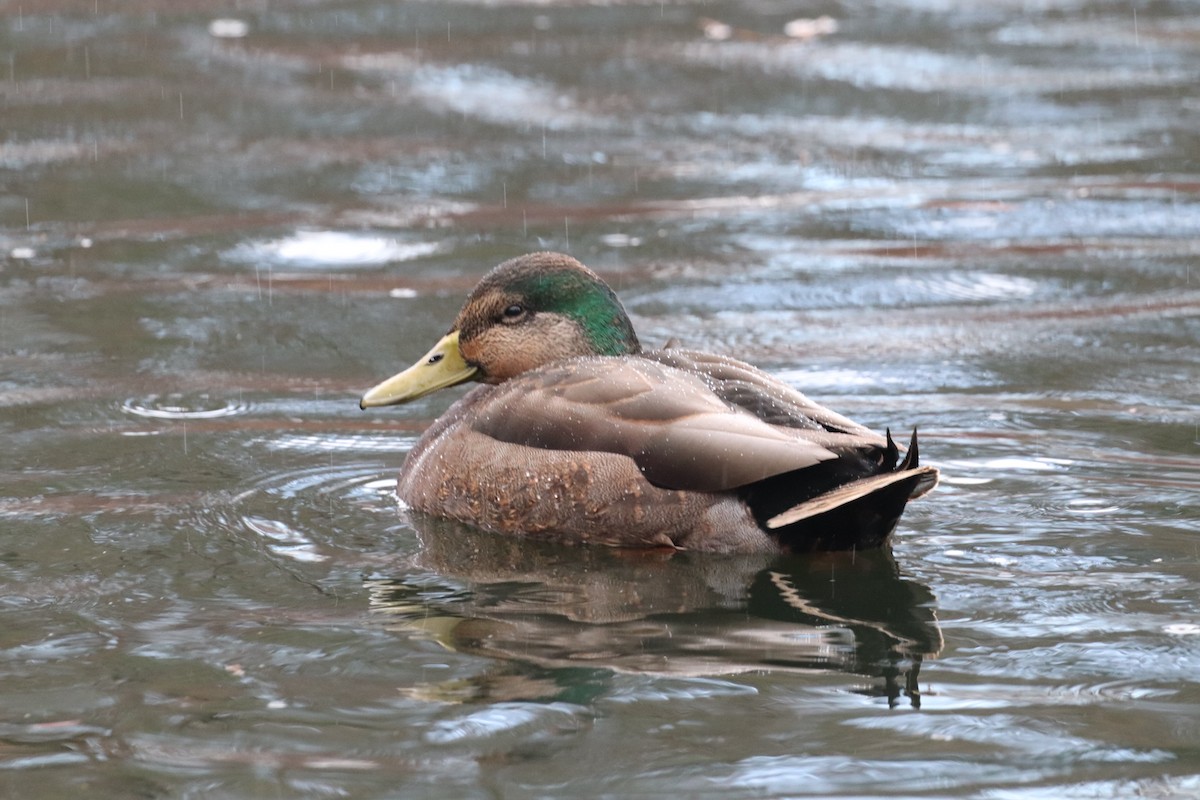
514, 311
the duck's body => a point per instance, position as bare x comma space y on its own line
584, 437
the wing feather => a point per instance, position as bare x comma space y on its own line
680, 431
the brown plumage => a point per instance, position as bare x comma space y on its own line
579, 435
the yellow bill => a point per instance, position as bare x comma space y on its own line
441, 367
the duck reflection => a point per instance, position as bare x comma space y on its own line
541, 609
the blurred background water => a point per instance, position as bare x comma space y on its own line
220, 222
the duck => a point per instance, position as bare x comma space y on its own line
577, 434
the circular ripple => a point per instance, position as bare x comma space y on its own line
970, 287
325, 443
1082, 506
308, 515
1090, 506
182, 406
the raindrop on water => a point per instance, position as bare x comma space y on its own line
1182, 629
228, 28
1085, 505
182, 407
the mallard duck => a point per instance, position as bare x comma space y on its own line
580, 435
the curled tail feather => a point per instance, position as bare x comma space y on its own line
921, 480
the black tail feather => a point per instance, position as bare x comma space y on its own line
817, 508
859, 524
911, 459
892, 454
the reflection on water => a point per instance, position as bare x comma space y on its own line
663, 613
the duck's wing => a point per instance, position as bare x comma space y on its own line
760, 393
684, 428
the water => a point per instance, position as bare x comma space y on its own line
215, 231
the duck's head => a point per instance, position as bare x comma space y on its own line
525, 313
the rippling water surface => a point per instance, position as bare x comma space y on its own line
217, 228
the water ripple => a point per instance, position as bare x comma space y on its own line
178, 405
284, 540
344, 479
975, 286
290, 513
328, 443
1186, 787
1011, 733
331, 249
986, 695
639, 689
504, 721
